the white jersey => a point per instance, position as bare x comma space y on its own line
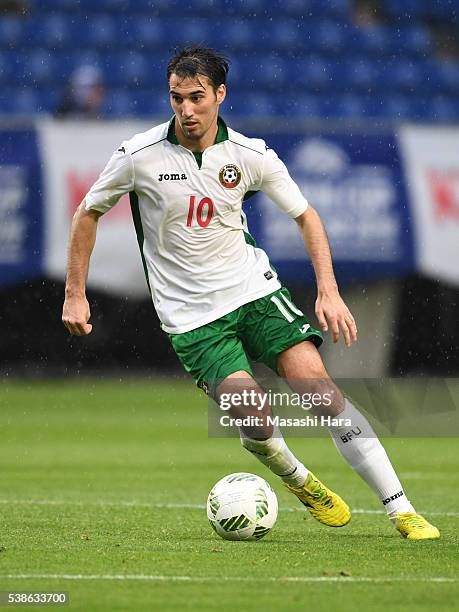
199, 259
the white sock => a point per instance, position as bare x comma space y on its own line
275, 454
359, 445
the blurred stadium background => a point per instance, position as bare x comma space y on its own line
361, 100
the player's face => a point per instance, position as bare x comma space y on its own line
195, 104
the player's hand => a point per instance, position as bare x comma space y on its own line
75, 316
332, 311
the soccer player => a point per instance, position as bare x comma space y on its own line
214, 290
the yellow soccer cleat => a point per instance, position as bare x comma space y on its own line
324, 505
415, 527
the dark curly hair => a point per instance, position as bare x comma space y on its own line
191, 61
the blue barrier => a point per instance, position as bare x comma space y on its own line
356, 183
21, 207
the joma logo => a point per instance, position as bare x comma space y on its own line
172, 177
391, 498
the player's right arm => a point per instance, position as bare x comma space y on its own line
116, 179
76, 312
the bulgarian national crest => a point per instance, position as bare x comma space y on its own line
230, 176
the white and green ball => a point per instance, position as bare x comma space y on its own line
242, 506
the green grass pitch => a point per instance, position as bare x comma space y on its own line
103, 487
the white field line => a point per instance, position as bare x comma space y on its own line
138, 504
415, 475
280, 579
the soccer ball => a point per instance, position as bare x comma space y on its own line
242, 506
230, 175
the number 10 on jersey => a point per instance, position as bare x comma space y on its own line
204, 212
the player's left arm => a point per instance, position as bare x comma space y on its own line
331, 311
330, 307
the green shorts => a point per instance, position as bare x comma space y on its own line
260, 330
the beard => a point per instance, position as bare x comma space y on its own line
193, 134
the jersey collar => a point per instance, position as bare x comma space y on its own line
222, 132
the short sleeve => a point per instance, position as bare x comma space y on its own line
116, 179
278, 185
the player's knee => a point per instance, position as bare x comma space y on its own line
329, 399
255, 430
326, 398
